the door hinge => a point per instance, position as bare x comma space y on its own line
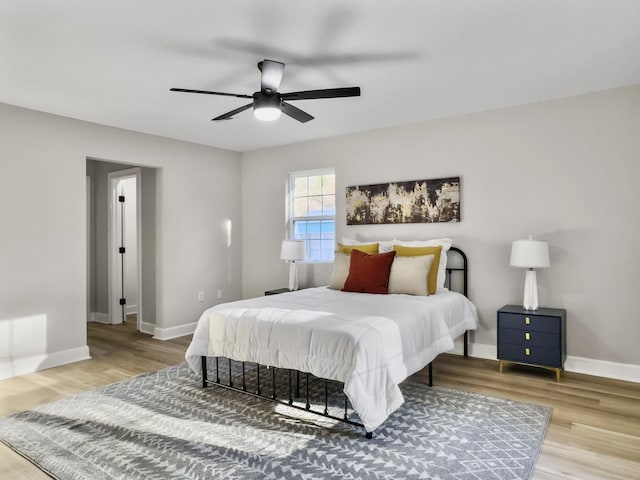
121, 198
123, 301
121, 250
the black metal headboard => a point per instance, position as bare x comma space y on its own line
457, 264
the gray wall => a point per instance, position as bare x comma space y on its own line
43, 243
565, 171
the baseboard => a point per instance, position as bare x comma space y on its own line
603, 368
129, 309
35, 363
477, 350
99, 317
587, 366
481, 350
148, 328
174, 332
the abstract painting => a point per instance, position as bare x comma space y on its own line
416, 201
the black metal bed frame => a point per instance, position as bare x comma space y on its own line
295, 393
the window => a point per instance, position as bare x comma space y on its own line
312, 216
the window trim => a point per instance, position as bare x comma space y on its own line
290, 219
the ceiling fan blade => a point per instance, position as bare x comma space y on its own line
186, 90
228, 115
271, 74
324, 93
295, 113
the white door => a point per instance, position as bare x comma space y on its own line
124, 245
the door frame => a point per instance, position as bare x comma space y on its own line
89, 218
113, 178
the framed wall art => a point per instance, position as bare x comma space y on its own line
416, 201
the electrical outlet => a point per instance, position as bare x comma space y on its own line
219, 293
201, 296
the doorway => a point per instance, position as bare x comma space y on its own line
108, 181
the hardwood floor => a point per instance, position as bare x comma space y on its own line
594, 432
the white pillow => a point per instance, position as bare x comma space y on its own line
384, 246
409, 275
442, 266
340, 271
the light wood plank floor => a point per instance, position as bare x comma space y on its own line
594, 432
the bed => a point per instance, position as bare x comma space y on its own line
369, 342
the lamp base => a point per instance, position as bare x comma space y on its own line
293, 276
530, 290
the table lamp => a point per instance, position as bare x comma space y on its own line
291, 251
530, 254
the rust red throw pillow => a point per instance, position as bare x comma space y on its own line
369, 273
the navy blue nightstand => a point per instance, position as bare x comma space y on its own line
535, 338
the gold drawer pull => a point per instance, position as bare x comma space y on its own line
527, 336
527, 321
527, 351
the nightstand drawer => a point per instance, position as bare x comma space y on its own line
529, 338
549, 356
536, 323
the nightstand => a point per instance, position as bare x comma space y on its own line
535, 338
277, 291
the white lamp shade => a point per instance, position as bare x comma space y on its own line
529, 254
292, 250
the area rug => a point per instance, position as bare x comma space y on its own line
163, 425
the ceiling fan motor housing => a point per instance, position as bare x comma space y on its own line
266, 100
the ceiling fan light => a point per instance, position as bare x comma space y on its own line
267, 114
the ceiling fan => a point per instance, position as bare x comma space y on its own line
268, 103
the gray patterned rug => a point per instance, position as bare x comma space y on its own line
163, 425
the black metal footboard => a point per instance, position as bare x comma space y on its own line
268, 389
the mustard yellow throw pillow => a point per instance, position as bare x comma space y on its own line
365, 248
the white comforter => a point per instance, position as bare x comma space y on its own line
369, 342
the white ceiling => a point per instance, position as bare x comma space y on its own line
113, 62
